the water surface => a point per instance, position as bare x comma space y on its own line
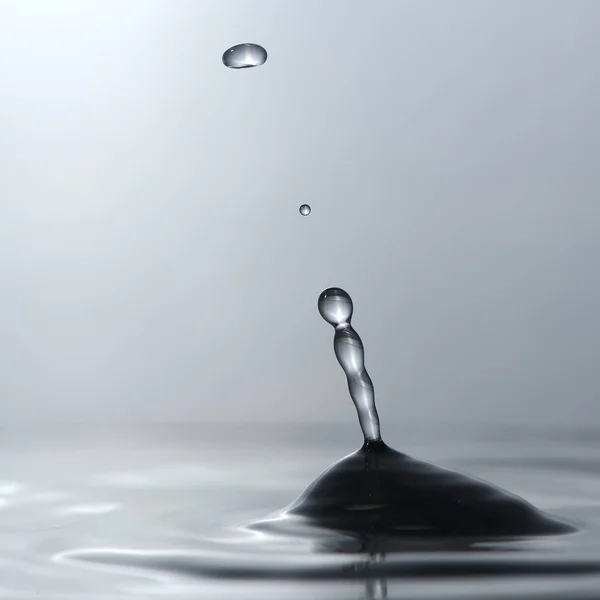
153, 510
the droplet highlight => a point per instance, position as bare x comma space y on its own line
305, 210
244, 56
335, 306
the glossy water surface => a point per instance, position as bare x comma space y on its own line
120, 512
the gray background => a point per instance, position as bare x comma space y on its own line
153, 264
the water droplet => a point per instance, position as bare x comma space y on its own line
305, 210
244, 56
335, 306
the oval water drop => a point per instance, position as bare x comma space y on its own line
244, 56
305, 210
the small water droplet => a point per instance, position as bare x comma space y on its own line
335, 306
305, 210
244, 56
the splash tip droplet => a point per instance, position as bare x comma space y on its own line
335, 306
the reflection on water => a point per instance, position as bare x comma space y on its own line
143, 511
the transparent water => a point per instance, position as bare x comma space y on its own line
153, 510
337, 308
244, 56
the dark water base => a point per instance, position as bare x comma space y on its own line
379, 492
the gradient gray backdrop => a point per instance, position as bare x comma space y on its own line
153, 263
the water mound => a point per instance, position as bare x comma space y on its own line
377, 491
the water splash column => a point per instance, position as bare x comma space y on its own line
335, 306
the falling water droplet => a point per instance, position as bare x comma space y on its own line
335, 306
244, 56
305, 210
